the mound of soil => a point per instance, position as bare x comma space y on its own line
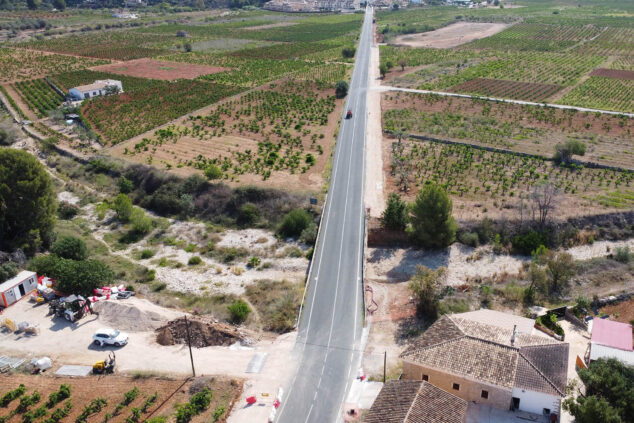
127, 317
203, 333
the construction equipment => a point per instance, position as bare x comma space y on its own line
71, 308
105, 366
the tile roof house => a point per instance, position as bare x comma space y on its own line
611, 339
491, 365
97, 88
415, 401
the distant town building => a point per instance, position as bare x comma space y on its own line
311, 5
491, 364
611, 340
135, 3
415, 401
125, 15
97, 88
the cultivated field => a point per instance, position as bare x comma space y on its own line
278, 136
545, 53
159, 69
525, 129
117, 399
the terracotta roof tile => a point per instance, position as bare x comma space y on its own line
404, 401
486, 353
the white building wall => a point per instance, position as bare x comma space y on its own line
535, 402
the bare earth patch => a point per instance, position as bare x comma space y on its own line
268, 26
613, 73
451, 36
159, 69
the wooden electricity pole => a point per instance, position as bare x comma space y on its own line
189, 344
384, 364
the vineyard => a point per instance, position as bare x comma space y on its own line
603, 93
507, 89
520, 128
119, 400
478, 175
611, 41
282, 51
125, 45
535, 67
537, 37
267, 133
19, 64
39, 95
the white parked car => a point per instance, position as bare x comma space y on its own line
108, 336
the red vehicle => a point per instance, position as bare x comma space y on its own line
349, 114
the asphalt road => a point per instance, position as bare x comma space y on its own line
332, 318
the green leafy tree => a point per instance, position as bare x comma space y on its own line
123, 207
341, 89
565, 151
426, 285
560, 268
395, 213
33, 4
248, 215
348, 52
432, 225
383, 70
27, 202
59, 4
294, 223
71, 248
125, 185
239, 310
609, 395
73, 276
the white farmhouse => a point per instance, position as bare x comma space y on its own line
97, 88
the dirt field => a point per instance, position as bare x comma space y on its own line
158, 69
171, 391
621, 312
613, 73
450, 36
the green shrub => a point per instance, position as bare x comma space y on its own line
239, 311
66, 210
123, 207
395, 213
158, 286
294, 223
146, 254
58, 396
253, 262
527, 243
432, 225
623, 254
71, 248
341, 89
213, 172
125, 185
12, 395
218, 413
248, 215
8, 270
141, 223
469, 238
309, 235
194, 260
549, 320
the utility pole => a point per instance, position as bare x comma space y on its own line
384, 364
189, 344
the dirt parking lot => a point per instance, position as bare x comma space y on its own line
67, 343
451, 35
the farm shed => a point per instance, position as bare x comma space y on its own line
611, 339
97, 88
17, 287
